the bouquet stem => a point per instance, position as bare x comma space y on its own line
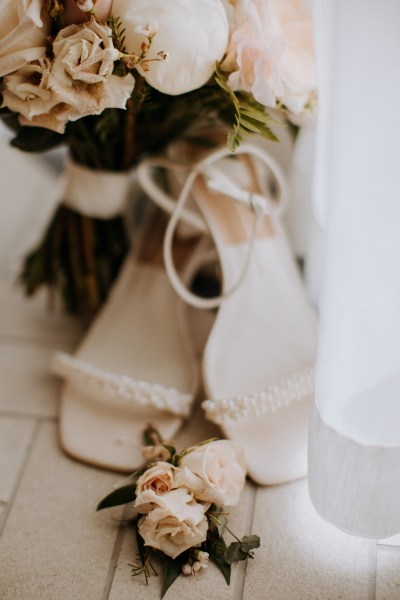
80, 257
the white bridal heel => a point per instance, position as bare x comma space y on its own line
136, 365
258, 361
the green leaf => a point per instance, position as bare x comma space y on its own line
241, 550
249, 124
36, 139
122, 495
251, 541
172, 570
249, 115
216, 548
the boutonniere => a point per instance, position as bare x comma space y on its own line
181, 501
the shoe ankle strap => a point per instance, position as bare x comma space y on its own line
159, 196
217, 181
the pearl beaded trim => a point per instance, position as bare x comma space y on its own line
294, 388
108, 386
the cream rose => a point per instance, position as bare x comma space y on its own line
27, 92
221, 467
193, 33
271, 52
78, 82
178, 523
24, 26
159, 479
83, 53
81, 74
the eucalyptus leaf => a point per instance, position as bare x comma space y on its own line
251, 541
121, 495
172, 570
238, 551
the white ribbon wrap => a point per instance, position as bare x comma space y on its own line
93, 193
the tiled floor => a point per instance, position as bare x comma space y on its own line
54, 546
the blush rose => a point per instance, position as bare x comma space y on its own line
271, 52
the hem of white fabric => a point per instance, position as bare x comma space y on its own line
352, 485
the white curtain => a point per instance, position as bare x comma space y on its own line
354, 445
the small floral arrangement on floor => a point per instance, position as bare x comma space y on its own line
181, 500
117, 79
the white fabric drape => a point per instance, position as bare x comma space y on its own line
354, 445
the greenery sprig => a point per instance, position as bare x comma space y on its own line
250, 116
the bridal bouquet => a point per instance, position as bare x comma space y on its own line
116, 79
180, 499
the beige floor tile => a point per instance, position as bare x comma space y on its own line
27, 387
3, 514
388, 574
301, 556
15, 437
31, 318
54, 545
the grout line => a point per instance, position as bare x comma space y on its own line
388, 547
372, 565
20, 475
248, 522
115, 556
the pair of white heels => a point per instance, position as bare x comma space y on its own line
137, 364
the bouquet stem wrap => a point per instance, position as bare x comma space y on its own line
86, 241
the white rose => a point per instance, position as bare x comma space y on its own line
271, 52
221, 467
178, 523
193, 33
24, 26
